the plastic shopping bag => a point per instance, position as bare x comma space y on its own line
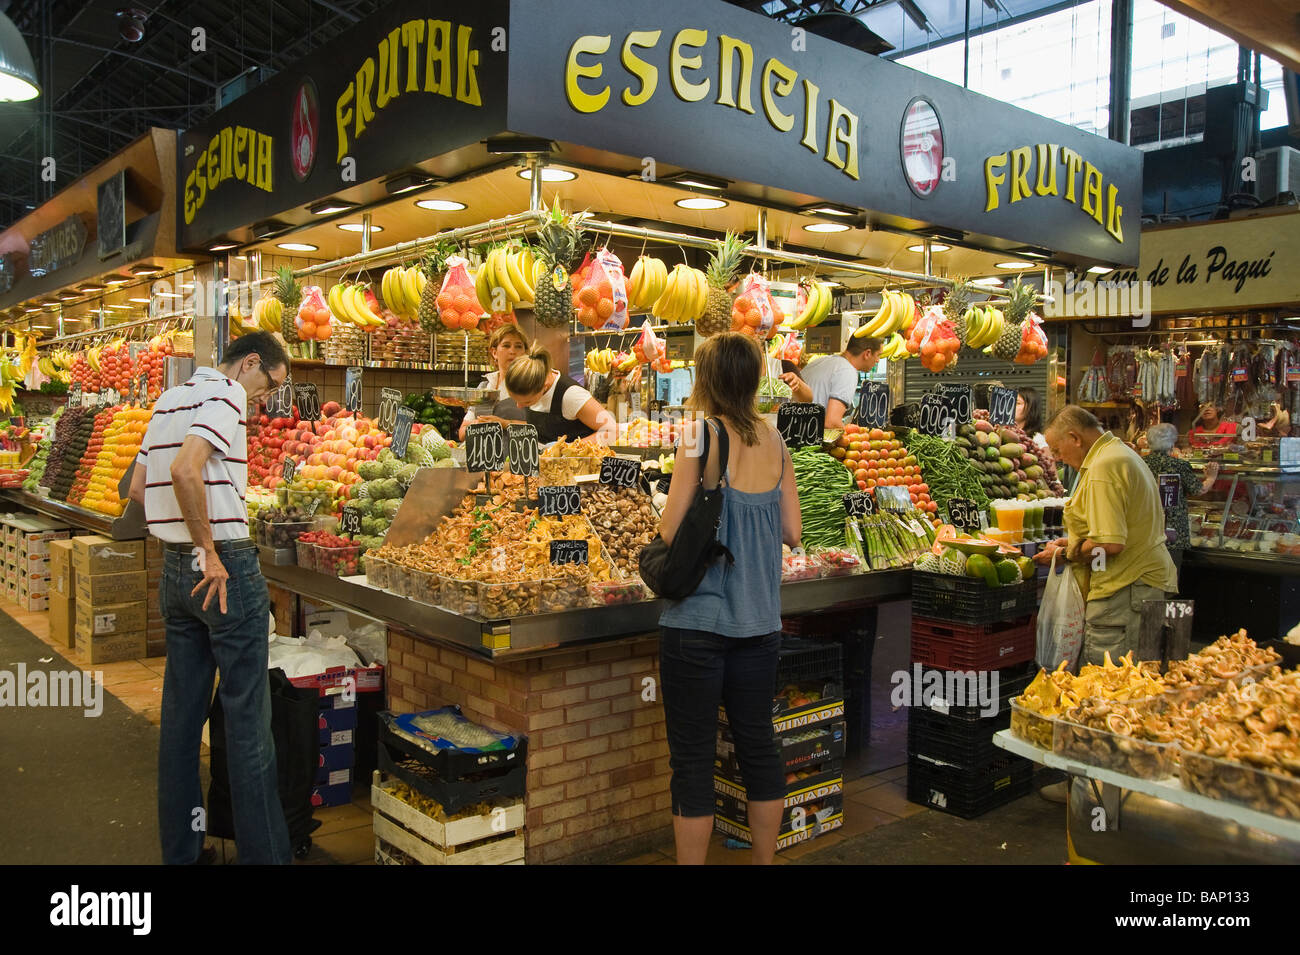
754, 311
458, 304
649, 348
601, 299
1060, 620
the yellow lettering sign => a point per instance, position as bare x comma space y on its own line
992, 180
727, 48
437, 58
1046, 164
388, 54
467, 68
1046, 183
1092, 191
647, 73
835, 136
1114, 212
810, 93
1072, 162
1020, 159
690, 92
579, 98
412, 37
233, 153
784, 87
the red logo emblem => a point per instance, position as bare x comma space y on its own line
921, 144
304, 134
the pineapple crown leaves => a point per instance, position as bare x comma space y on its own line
286, 288
725, 261
560, 239
1020, 301
435, 259
957, 299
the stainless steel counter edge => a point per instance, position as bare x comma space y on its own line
1275, 565
574, 628
91, 520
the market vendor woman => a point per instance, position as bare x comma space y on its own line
1210, 430
505, 344
553, 402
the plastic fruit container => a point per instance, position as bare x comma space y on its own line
1118, 751
609, 593
1032, 727
839, 562
458, 596
567, 592
377, 572
796, 567
284, 534
499, 601
306, 552
423, 585
338, 561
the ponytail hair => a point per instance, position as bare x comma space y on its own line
527, 374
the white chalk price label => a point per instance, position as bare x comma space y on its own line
935, 419
964, 513
74, 395
352, 388
279, 403
559, 501
390, 399
959, 401
402, 431
568, 552
308, 400
1002, 406
485, 447
859, 504
109, 397
1178, 609
875, 402
525, 455
620, 472
801, 424
350, 520
289, 471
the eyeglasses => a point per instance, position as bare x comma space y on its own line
271, 383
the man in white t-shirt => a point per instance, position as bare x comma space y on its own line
832, 382
191, 476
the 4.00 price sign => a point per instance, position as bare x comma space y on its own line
801, 425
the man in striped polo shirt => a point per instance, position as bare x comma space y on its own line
191, 476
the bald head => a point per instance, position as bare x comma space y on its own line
1071, 434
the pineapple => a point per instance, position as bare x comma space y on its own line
1020, 301
955, 304
721, 273
557, 242
289, 294
434, 268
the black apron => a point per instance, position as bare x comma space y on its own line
508, 409
552, 425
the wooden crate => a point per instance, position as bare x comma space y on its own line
470, 841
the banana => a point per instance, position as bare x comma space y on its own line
501, 271
350, 307
524, 264
483, 287
421, 280
663, 305
636, 281
518, 287
409, 280
701, 294
361, 308
880, 321
908, 312
386, 292
334, 301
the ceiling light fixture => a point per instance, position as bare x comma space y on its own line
550, 174
359, 227
139, 301
829, 209
224, 245
934, 247
17, 69
701, 202
90, 288
440, 205
991, 280
297, 247
407, 182
696, 181
1100, 270
270, 228
130, 23
518, 146
118, 280
326, 206
146, 269
826, 227
1014, 265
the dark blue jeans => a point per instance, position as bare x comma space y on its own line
700, 670
198, 643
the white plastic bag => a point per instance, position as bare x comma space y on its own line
1060, 620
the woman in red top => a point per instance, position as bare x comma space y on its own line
1211, 430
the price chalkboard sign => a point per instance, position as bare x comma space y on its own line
279, 403
663, 484
874, 405
74, 395
801, 425
1178, 609
402, 431
959, 402
1002, 406
568, 552
390, 399
559, 501
485, 447
352, 388
859, 504
350, 521
289, 471
142, 389
107, 398
619, 472
935, 419
964, 514
312, 506
525, 456
308, 401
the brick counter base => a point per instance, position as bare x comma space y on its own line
597, 751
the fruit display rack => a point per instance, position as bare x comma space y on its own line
129, 526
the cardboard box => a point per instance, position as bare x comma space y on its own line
337, 726
112, 648
99, 555
339, 794
34, 566
337, 757
62, 578
112, 588
795, 828
38, 544
38, 602
63, 619
35, 585
800, 749
98, 620
730, 801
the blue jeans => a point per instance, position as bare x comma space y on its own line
700, 670
198, 643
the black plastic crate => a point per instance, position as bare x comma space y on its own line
499, 782
452, 763
965, 742
965, 791
969, 600
1012, 682
812, 660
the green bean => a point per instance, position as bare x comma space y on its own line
822, 482
947, 471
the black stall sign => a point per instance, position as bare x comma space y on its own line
352, 388
619, 472
859, 504
1002, 406
279, 403
935, 417
525, 455
568, 552
964, 513
289, 471
801, 424
1171, 490
350, 521
74, 395
402, 431
875, 402
559, 501
959, 401
390, 399
485, 447
308, 401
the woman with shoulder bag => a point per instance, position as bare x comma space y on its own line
720, 643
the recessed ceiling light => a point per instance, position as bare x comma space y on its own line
440, 205
1015, 265
326, 206
358, 227
701, 202
696, 181
826, 227
829, 209
125, 308
32, 308
146, 269
991, 280
407, 182
297, 247
68, 296
550, 174
90, 288
1100, 270
934, 247
118, 280
140, 301
223, 246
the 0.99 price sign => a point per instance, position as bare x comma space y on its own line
485, 447
525, 456
1002, 406
308, 401
935, 419
390, 399
874, 405
801, 425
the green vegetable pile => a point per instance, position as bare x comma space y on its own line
822, 482
429, 411
947, 470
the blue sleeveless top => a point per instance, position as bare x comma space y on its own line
744, 599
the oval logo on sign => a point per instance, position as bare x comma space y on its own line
305, 130
921, 147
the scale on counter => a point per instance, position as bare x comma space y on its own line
463, 397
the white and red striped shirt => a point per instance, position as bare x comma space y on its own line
212, 407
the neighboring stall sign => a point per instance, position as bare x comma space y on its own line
56, 248
1214, 266
110, 204
422, 79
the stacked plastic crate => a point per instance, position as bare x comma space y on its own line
972, 650
808, 721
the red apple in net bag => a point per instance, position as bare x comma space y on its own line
458, 305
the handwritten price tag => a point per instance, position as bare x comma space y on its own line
390, 399
352, 388
402, 431
619, 472
559, 501
485, 447
964, 513
525, 456
859, 504
801, 425
308, 401
874, 405
568, 552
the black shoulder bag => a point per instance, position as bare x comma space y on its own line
676, 570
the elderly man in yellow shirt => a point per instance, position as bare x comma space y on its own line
1116, 532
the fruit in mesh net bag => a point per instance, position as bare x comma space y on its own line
289, 294
720, 273
1020, 299
557, 243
